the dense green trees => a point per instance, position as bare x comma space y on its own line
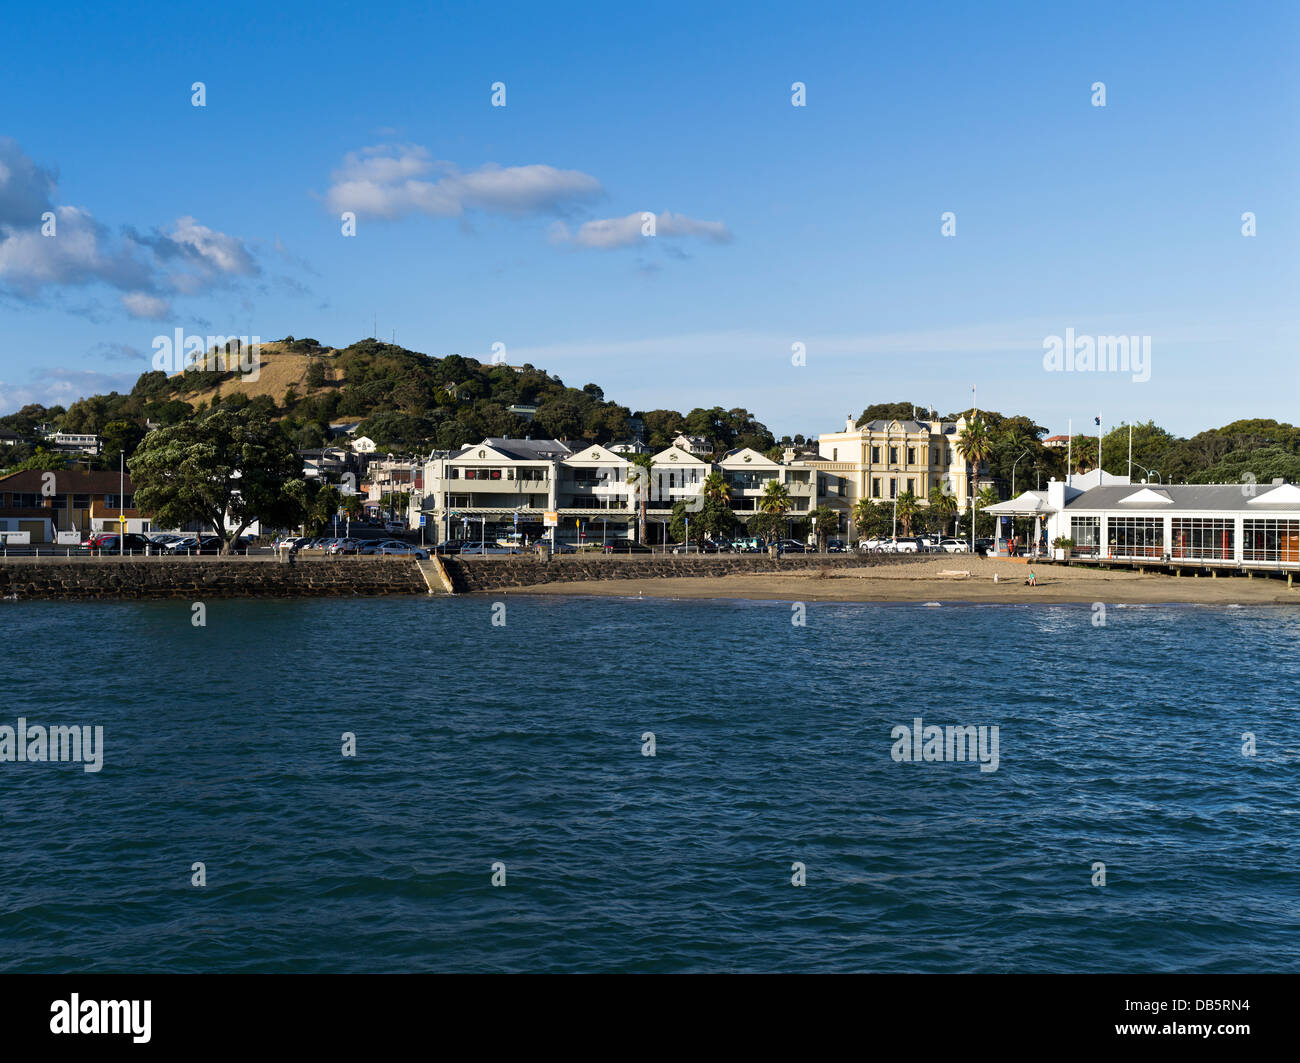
228, 468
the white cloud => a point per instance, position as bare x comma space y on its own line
604, 234
81, 251
391, 181
142, 304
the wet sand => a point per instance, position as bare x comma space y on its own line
921, 581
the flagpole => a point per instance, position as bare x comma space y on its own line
1130, 453
1069, 453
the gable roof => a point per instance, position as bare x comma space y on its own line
1147, 496
1278, 495
596, 452
677, 456
1222, 498
747, 457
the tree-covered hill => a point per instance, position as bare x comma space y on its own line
404, 400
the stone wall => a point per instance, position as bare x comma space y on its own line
496, 573
200, 578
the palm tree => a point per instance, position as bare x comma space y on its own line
943, 506
639, 476
774, 505
826, 519
717, 488
975, 444
776, 498
909, 507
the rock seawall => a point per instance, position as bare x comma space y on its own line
471, 574
196, 579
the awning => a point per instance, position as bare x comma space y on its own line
1029, 504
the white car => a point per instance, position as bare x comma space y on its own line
391, 526
954, 546
905, 546
876, 546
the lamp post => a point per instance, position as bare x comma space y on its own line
1150, 472
1013, 471
121, 502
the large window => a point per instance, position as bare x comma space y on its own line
875, 487
1270, 540
1086, 533
875, 455
1137, 536
1196, 537
911, 455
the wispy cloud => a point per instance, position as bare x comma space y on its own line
603, 234
392, 181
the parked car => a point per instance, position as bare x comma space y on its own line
344, 546
450, 546
686, 548
836, 546
376, 546
163, 539
791, 546
626, 546
394, 526
875, 545
480, 549
115, 543
906, 545
954, 546
402, 550
983, 546
749, 544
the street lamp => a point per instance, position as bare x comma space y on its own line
1013, 472
1150, 473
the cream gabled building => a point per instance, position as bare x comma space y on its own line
883, 459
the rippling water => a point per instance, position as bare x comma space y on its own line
522, 744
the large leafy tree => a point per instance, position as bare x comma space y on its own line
230, 468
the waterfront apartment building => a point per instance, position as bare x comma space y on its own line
501, 484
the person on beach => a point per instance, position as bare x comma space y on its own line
1032, 581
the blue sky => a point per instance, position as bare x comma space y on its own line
776, 224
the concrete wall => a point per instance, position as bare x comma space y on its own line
197, 579
496, 573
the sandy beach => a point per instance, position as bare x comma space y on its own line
924, 581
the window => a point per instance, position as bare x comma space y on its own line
875, 487
496, 474
1270, 540
893, 455
1196, 537
1086, 533
453, 473
81, 501
875, 455
911, 455
911, 485
1137, 536
835, 453
893, 487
